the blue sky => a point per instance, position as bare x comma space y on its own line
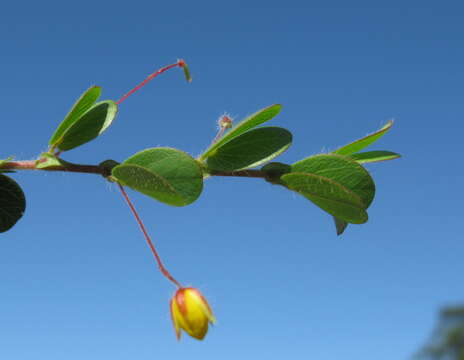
78, 281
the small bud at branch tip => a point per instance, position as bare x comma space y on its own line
183, 65
180, 63
225, 122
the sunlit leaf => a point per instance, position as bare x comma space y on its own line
90, 125
364, 142
84, 103
248, 123
342, 170
374, 156
250, 149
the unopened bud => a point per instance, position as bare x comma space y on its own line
191, 312
225, 122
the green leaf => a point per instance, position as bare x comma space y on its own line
363, 142
90, 125
329, 195
165, 174
340, 225
187, 74
47, 160
87, 99
12, 203
374, 156
248, 123
342, 170
250, 149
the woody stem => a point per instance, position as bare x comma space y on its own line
98, 170
219, 134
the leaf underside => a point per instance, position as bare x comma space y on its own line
342, 170
328, 195
165, 174
335, 183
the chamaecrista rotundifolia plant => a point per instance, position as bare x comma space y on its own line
336, 181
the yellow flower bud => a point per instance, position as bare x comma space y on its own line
191, 312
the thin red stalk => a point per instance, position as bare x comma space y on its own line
20, 165
218, 135
148, 79
163, 270
225, 123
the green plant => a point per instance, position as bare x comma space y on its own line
336, 182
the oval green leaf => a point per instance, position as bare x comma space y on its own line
342, 170
364, 142
84, 103
246, 124
165, 174
12, 203
250, 149
90, 125
329, 195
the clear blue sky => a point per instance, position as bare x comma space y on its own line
77, 279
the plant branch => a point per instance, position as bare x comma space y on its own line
69, 167
99, 170
241, 173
